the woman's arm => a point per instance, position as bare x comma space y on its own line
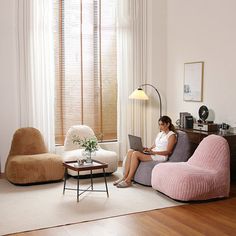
170, 147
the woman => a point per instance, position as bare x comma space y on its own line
160, 150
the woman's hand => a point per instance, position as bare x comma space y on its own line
147, 149
152, 153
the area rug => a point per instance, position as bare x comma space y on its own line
41, 206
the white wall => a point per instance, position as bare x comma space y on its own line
202, 30
156, 38
8, 78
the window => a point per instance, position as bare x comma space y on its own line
86, 67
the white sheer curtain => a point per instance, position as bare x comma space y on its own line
132, 68
36, 66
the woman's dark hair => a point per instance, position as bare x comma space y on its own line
166, 120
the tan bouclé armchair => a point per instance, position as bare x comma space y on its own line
29, 161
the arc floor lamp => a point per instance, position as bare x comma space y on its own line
139, 94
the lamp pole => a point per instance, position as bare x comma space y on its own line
142, 85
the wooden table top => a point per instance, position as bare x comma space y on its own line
73, 165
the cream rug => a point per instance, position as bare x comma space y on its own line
42, 206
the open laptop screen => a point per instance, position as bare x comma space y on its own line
135, 143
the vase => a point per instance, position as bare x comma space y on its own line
88, 156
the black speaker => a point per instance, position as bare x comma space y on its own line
188, 122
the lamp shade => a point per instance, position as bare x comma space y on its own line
138, 94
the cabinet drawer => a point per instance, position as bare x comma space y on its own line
195, 138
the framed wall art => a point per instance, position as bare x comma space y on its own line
193, 81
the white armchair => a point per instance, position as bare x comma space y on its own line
73, 151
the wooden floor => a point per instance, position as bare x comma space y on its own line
202, 218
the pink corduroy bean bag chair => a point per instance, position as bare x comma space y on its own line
205, 175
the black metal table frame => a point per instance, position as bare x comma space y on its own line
81, 191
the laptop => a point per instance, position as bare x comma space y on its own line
135, 143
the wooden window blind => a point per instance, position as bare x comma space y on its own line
86, 67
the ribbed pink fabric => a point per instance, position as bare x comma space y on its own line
204, 176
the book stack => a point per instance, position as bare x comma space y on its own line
182, 119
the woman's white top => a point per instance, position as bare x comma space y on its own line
161, 143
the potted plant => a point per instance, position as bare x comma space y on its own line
89, 144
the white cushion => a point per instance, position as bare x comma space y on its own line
83, 131
73, 151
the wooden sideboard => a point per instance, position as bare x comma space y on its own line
196, 136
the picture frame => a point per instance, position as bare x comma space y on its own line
193, 81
